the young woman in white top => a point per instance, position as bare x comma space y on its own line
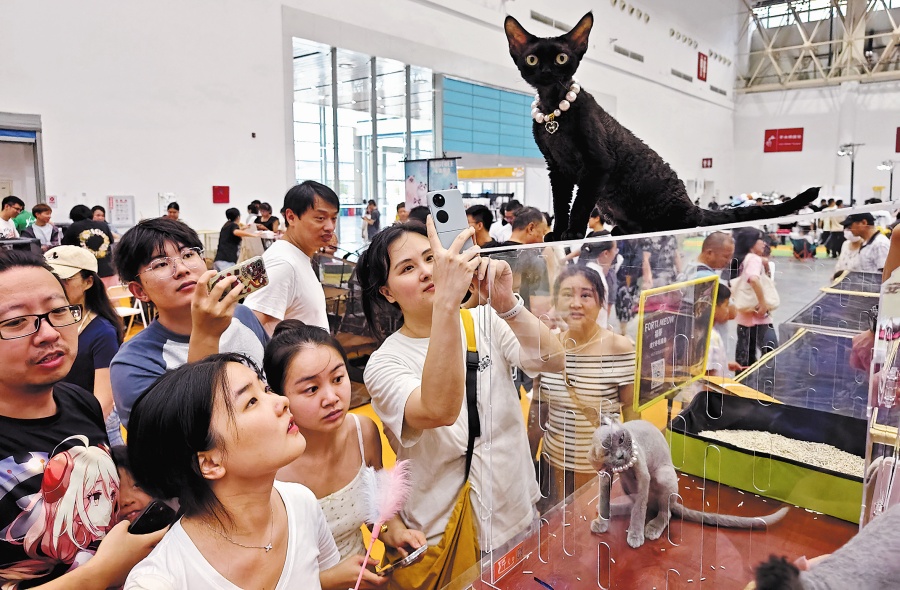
308, 366
213, 434
417, 378
599, 377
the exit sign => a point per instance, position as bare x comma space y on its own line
706, 163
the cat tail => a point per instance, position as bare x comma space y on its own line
778, 574
726, 520
722, 216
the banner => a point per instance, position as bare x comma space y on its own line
783, 140
702, 65
674, 326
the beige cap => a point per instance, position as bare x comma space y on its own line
67, 261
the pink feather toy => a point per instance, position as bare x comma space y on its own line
392, 490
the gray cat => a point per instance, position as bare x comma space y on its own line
638, 453
869, 561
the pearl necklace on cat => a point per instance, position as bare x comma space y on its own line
631, 462
549, 120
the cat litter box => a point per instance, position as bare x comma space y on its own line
789, 480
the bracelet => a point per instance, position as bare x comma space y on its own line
519, 306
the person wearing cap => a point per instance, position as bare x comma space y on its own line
100, 330
875, 245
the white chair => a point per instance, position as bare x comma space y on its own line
119, 292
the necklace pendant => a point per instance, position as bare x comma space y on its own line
551, 126
268, 547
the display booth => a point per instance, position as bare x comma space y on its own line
797, 428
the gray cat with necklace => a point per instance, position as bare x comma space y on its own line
585, 146
637, 452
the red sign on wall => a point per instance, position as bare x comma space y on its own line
221, 194
898, 140
706, 163
784, 140
702, 64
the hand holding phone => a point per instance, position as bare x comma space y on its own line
251, 272
410, 559
156, 516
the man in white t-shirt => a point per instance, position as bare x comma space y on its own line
294, 292
11, 207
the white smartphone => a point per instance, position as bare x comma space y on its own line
449, 216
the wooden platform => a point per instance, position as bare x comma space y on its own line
569, 556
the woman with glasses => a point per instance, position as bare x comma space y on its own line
100, 330
162, 262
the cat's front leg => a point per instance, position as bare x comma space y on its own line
590, 190
635, 536
561, 186
600, 525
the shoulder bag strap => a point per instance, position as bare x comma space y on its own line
591, 414
471, 385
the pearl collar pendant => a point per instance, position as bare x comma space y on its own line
549, 119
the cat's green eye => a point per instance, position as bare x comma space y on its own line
531, 60
562, 58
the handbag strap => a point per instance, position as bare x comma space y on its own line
591, 414
471, 386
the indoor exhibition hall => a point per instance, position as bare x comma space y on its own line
463, 294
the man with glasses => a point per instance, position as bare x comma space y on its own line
58, 484
161, 261
11, 207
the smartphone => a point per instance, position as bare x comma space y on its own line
156, 516
251, 272
449, 216
400, 563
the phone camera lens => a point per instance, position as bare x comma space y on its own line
442, 216
438, 200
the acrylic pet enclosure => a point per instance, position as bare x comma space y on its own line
802, 393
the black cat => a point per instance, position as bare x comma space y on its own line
585, 146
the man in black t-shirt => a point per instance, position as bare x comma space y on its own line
58, 485
92, 235
229, 249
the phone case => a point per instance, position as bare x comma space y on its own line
410, 559
251, 272
156, 516
450, 217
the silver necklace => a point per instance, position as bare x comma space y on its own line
267, 547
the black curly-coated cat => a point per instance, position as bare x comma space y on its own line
613, 169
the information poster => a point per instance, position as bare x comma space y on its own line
674, 326
442, 174
120, 211
416, 185
783, 140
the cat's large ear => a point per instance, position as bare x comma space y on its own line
517, 36
578, 36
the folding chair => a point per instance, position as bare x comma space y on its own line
119, 292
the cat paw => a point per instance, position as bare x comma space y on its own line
571, 235
653, 531
635, 538
599, 526
551, 237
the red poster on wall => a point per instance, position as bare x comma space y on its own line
220, 194
783, 140
702, 64
898, 140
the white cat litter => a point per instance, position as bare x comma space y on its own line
816, 454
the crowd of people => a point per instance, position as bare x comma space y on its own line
238, 413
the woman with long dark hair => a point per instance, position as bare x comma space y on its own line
417, 379
100, 331
213, 435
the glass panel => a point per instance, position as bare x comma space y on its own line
312, 112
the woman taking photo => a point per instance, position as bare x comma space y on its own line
417, 380
214, 435
598, 377
100, 331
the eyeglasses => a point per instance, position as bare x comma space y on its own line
164, 267
26, 325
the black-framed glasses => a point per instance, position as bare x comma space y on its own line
164, 266
26, 325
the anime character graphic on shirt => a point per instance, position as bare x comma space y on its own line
65, 519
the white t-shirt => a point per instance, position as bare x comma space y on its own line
500, 232
504, 489
177, 563
8, 228
603, 315
294, 291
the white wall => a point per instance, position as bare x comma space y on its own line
162, 97
17, 164
850, 113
